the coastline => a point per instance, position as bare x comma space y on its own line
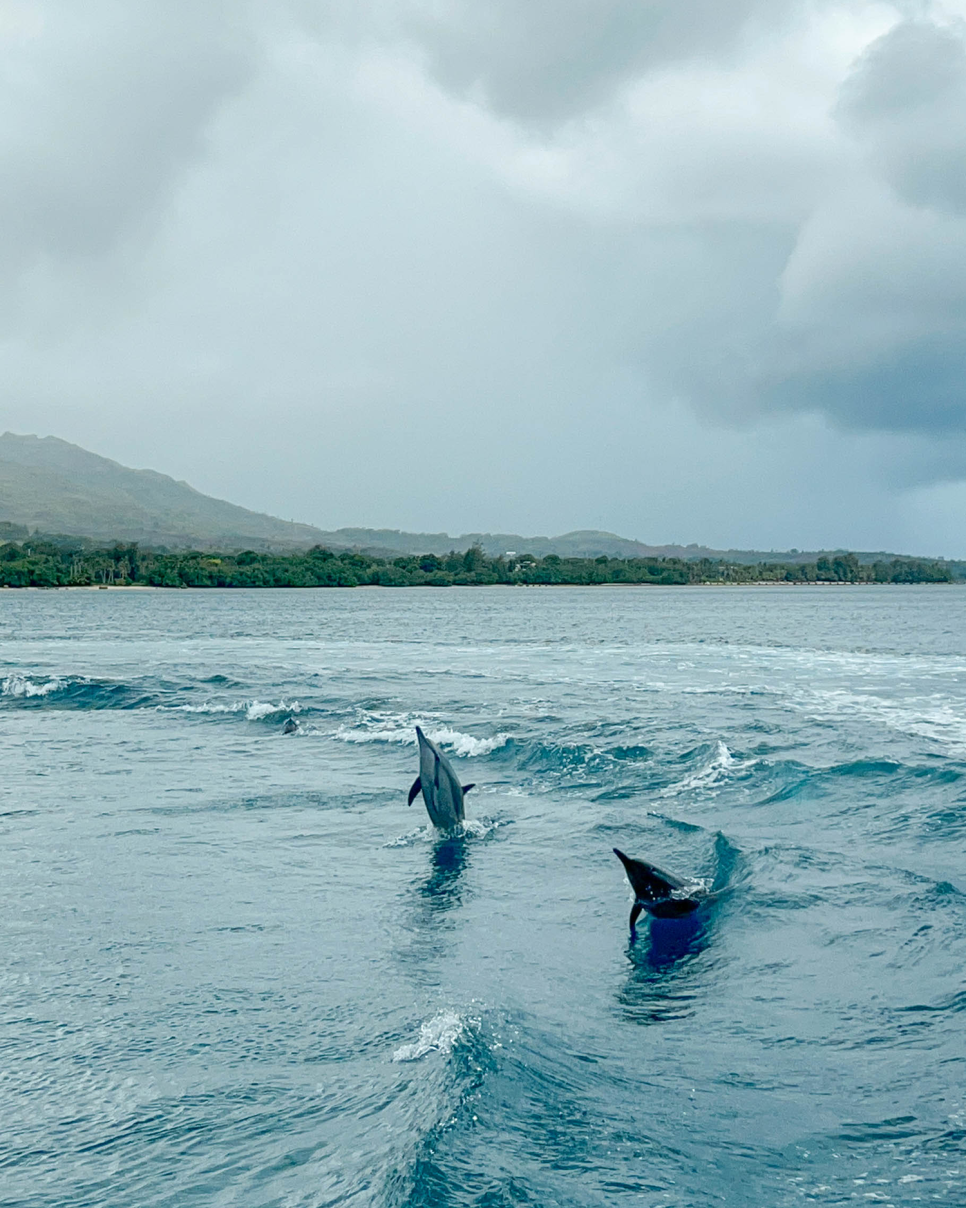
130, 588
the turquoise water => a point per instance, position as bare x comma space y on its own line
238, 970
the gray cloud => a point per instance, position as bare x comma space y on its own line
600, 279
103, 107
553, 59
905, 102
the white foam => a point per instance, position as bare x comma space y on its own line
401, 728
207, 707
400, 734
258, 709
934, 718
466, 744
719, 767
23, 686
437, 1035
254, 710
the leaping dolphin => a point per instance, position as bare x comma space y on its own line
659, 893
440, 785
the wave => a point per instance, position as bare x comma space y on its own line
401, 728
568, 756
436, 1035
70, 692
717, 767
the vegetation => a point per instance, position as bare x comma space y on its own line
67, 563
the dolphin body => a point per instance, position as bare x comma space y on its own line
659, 893
440, 785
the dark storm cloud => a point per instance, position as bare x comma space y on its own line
855, 308
905, 103
877, 321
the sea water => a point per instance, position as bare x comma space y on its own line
237, 969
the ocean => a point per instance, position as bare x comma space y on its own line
237, 969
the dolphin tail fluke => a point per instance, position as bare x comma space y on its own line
415, 790
467, 787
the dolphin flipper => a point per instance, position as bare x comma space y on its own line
635, 915
467, 787
415, 790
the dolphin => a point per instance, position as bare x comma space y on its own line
659, 893
440, 785
291, 726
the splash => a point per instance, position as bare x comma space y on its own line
419, 835
437, 1035
470, 828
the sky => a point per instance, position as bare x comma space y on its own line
685, 270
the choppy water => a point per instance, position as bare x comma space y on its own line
237, 970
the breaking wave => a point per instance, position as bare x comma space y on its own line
401, 728
24, 686
71, 692
717, 767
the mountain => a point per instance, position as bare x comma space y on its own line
51, 486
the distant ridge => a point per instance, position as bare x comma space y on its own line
582, 543
50, 486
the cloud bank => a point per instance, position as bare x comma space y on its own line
686, 270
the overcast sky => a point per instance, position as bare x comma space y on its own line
688, 270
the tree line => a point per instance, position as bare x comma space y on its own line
44, 563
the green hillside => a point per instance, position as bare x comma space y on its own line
48, 486
51, 486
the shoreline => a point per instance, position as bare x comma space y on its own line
771, 583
